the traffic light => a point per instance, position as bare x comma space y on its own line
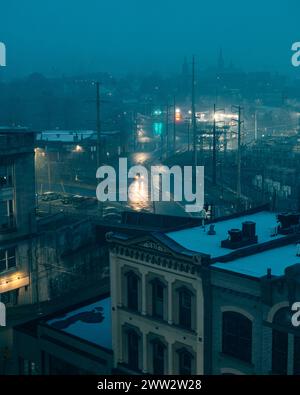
178, 116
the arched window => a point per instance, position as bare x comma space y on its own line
185, 360
237, 336
158, 354
133, 340
158, 289
297, 355
282, 322
185, 308
132, 291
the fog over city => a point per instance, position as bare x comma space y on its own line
149, 194
69, 37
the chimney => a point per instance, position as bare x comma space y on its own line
211, 230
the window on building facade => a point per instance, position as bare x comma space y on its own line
6, 214
7, 259
185, 362
28, 367
10, 297
279, 352
133, 350
158, 299
158, 357
5, 176
185, 308
237, 336
297, 355
282, 323
132, 291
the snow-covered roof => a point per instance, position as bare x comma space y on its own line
91, 322
197, 239
256, 265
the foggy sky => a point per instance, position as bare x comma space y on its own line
74, 36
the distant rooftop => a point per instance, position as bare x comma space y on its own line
57, 221
91, 322
256, 265
65, 136
72, 136
15, 129
196, 238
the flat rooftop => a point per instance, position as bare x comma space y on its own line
196, 238
15, 129
256, 265
91, 322
65, 136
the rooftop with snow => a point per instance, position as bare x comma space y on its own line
91, 322
197, 238
257, 265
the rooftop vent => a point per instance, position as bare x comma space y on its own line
241, 238
288, 223
211, 230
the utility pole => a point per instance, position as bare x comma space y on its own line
174, 125
98, 124
167, 130
214, 175
194, 113
134, 130
188, 135
255, 125
238, 187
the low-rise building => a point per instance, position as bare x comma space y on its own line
72, 341
17, 214
251, 304
161, 291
